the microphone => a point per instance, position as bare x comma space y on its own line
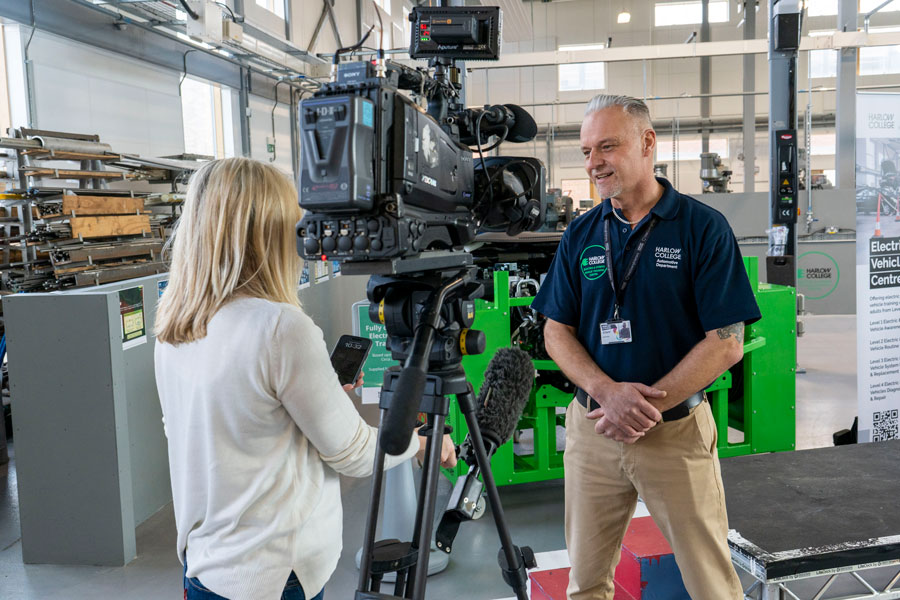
507, 385
514, 120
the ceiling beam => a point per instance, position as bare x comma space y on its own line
836, 41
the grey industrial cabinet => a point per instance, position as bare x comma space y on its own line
91, 455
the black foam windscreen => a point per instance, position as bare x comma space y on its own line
507, 384
524, 127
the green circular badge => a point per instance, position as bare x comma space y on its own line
593, 262
817, 274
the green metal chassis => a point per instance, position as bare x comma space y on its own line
763, 416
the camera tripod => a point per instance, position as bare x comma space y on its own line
427, 315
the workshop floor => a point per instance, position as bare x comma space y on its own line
826, 402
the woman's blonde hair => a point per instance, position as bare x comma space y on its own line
235, 237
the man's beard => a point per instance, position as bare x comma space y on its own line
613, 190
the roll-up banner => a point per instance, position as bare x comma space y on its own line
878, 265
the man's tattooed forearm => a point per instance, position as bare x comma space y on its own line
734, 330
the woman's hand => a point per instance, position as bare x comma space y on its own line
352, 386
448, 451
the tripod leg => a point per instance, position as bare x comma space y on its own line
365, 561
400, 583
514, 571
425, 511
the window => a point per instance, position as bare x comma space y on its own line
866, 6
385, 5
827, 8
873, 60
823, 144
690, 149
823, 63
5, 111
577, 189
689, 13
274, 6
879, 60
821, 8
582, 76
206, 116
407, 29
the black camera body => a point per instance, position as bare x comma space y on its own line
380, 179
383, 178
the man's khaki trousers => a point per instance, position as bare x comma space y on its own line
675, 469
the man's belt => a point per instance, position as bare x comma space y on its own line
679, 411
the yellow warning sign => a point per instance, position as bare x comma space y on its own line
785, 182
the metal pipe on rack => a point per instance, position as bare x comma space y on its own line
872, 12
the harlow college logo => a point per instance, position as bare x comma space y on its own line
667, 257
817, 274
881, 120
593, 262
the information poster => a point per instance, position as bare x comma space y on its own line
379, 356
131, 317
304, 276
321, 269
161, 286
878, 265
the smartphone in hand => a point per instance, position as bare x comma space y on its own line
348, 357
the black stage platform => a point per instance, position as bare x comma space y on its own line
800, 514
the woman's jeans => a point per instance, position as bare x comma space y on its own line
194, 590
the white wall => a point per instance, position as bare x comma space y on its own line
131, 105
261, 128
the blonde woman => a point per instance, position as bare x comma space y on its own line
258, 426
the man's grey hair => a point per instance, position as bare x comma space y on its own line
633, 106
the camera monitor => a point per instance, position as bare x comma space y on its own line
461, 32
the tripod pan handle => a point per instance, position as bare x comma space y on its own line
400, 417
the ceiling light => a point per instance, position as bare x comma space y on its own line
579, 47
624, 17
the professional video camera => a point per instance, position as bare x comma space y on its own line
387, 176
391, 188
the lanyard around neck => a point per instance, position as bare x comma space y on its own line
619, 290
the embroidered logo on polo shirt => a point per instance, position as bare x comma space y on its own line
667, 257
593, 262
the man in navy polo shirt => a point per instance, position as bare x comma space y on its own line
646, 300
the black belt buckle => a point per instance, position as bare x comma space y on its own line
679, 411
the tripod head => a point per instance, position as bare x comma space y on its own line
401, 303
428, 316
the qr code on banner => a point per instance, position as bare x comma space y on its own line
885, 425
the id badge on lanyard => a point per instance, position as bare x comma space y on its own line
617, 330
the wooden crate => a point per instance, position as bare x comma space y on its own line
101, 205
49, 173
17, 210
96, 227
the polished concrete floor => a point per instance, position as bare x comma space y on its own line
826, 402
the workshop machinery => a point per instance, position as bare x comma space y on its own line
714, 174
